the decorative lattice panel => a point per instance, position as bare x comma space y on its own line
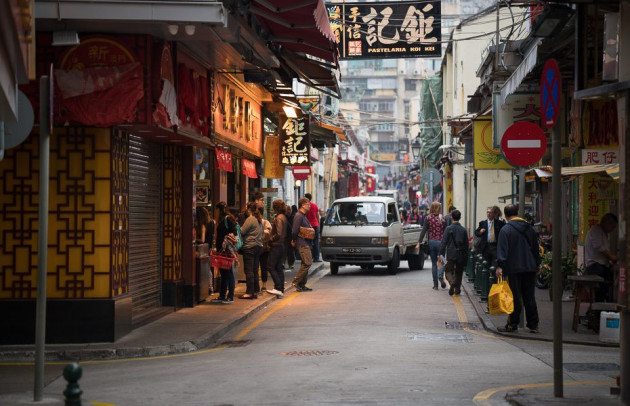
120, 213
172, 232
79, 216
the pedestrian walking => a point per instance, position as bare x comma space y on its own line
313, 217
414, 217
434, 225
488, 234
449, 217
598, 256
303, 245
264, 256
252, 233
518, 258
454, 248
280, 234
226, 242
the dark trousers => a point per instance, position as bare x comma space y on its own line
523, 286
490, 254
315, 246
251, 262
289, 253
227, 284
453, 271
264, 266
603, 291
276, 259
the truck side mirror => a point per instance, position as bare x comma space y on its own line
390, 217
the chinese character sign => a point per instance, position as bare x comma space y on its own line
295, 142
387, 30
598, 195
599, 156
370, 181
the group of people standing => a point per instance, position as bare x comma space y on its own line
266, 245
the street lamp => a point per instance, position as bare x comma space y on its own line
415, 148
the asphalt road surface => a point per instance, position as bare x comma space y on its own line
359, 338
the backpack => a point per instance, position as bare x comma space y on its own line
239, 237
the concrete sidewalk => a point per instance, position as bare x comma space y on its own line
583, 335
186, 330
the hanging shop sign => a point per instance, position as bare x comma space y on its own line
599, 156
517, 107
485, 155
193, 96
273, 169
448, 180
599, 194
599, 123
224, 160
310, 104
295, 142
387, 29
237, 115
370, 181
249, 168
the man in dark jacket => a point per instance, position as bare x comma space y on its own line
518, 258
488, 233
455, 245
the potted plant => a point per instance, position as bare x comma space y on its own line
568, 267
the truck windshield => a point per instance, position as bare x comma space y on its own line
356, 213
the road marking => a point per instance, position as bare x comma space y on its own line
461, 315
482, 398
265, 316
523, 144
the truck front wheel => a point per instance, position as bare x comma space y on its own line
334, 268
393, 265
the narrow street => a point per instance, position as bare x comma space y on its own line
361, 337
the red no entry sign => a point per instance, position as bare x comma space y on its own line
550, 90
523, 143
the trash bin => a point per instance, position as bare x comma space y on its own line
203, 276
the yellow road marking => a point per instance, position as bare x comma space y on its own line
265, 316
461, 315
482, 398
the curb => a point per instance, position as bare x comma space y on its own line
489, 325
315, 273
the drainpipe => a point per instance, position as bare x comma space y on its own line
475, 197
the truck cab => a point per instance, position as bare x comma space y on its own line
368, 231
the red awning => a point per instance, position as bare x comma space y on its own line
300, 25
249, 168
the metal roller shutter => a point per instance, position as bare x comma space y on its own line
145, 242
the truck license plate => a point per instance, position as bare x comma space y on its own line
350, 250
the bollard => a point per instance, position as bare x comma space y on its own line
477, 283
470, 266
492, 275
485, 284
72, 373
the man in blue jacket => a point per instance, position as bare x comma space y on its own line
518, 258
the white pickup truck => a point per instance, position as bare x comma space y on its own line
368, 231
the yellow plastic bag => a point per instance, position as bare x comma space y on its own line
500, 298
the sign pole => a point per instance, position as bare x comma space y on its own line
521, 192
42, 247
556, 271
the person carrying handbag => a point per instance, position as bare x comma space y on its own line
303, 245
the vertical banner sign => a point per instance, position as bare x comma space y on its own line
370, 181
387, 29
273, 169
448, 179
249, 168
486, 156
295, 142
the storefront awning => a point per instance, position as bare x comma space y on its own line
339, 132
514, 81
301, 27
571, 171
315, 74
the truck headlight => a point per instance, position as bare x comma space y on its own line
329, 241
379, 241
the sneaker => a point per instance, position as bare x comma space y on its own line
318, 260
305, 288
534, 330
274, 292
217, 300
435, 288
228, 301
442, 282
248, 297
